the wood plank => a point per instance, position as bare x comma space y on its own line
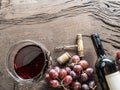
56, 23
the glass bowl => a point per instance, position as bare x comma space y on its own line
27, 61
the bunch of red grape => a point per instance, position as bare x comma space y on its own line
74, 76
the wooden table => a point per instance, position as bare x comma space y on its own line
56, 23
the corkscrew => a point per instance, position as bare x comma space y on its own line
79, 46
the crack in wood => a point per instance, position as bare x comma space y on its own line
117, 36
106, 41
68, 1
116, 46
116, 41
114, 30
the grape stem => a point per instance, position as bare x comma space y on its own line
63, 85
94, 87
68, 65
58, 79
83, 71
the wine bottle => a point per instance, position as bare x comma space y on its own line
106, 70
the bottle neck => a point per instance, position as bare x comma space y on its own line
97, 45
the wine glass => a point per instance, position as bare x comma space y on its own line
27, 61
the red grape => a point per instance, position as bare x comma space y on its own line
47, 77
54, 83
75, 59
77, 68
85, 87
76, 85
89, 71
53, 74
84, 64
118, 54
92, 85
84, 77
67, 80
73, 74
68, 70
62, 73
57, 69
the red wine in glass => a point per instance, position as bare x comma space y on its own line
29, 61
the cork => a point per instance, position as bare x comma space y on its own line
80, 47
64, 58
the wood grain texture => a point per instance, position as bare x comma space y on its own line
56, 23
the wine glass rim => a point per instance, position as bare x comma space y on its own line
13, 73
